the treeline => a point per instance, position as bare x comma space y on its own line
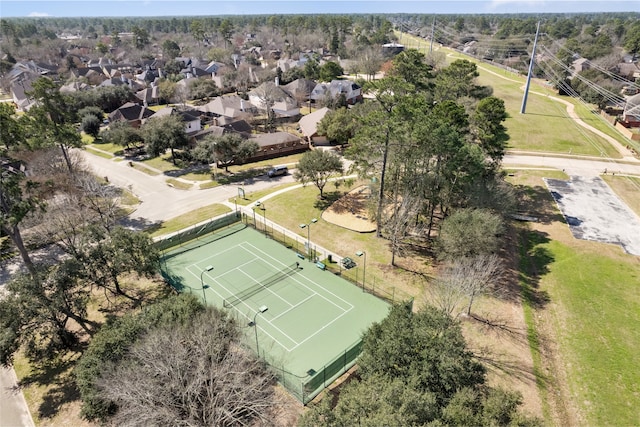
377, 25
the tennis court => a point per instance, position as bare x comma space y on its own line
306, 322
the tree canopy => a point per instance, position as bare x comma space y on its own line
415, 369
317, 166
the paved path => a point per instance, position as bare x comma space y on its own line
160, 201
13, 408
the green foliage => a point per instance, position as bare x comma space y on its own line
312, 69
162, 133
470, 232
330, 71
425, 349
338, 126
170, 49
107, 98
115, 252
317, 166
632, 39
203, 89
121, 133
115, 338
411, 67
41, 306
455, 81
91, 125
226, 149
415, 370
488, 129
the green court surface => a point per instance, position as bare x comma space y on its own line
311, 330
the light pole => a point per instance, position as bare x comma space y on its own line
261, 310
264, 215
308, 227
207, 268
364, 270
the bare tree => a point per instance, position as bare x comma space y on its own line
466, 278
398, 225
195, 375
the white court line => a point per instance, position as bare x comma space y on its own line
243, 247
266, 288
294, 306
218, 253
309, 280
318, 331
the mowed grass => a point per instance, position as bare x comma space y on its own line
598, 328
189, 219
301, 205
588, 294
546, 125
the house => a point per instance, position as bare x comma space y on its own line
228, 108
74, 86
132, 113
190, 118
213, 67
269, 95
19, 89
191, 71
240, 127
351, 91
309, 126
629, 70
580, 64
149, 95
277, 144
631, 114
392, 49
300, 89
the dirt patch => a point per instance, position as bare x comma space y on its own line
351, 212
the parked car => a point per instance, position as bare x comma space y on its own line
277, 171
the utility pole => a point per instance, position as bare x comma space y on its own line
433, 30
533, 55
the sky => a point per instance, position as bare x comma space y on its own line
103, 8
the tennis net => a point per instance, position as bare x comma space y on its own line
261, 285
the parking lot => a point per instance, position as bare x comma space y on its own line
594, 212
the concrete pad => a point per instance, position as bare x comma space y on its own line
594, 212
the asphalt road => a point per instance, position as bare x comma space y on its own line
587, 167
160, 201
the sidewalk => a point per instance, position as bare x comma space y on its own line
14, 411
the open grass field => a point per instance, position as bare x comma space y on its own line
582, 305
546, 126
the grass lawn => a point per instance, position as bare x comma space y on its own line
162, 163
299, 206
188, 219
97, 153
586, 295
561, 134
178, 184
114, 149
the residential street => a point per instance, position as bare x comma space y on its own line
159, 202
